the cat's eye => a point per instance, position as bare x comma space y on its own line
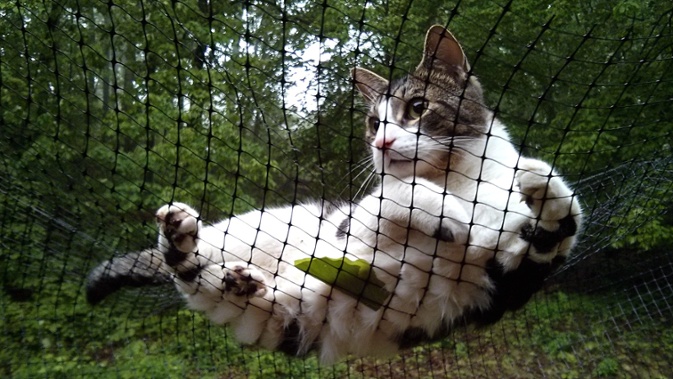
373, 123
416, 107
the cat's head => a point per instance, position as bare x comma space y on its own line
421, 124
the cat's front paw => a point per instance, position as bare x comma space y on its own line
244, 281
544, 192
179, 226
533, 178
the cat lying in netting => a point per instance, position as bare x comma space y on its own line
460, 229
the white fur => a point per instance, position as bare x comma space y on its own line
432, 282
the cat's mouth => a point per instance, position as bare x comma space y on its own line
389, 159
397, 155
398, 161
398, 165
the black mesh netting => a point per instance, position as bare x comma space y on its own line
110, 109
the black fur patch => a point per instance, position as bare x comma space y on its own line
444, 234
412, 337
174, 257
544, 240
189, 275
99, 289
415, 336
291, 340
343, 227
513, 289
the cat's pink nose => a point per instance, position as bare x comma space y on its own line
381, 142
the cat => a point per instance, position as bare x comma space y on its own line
460, 229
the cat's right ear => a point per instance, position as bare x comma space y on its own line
442, 50
370, 85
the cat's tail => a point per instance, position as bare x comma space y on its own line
145, 268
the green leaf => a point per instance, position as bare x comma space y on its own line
354, 278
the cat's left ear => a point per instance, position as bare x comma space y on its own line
442, 50
370, 85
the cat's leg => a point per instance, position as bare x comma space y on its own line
424, 206
409, 223
539, 229
554, 206
191, 259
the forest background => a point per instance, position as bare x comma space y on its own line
110, 109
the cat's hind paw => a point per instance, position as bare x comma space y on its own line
244, 281
235, 283
179, 226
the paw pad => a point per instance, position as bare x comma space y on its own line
240, 282
180, 225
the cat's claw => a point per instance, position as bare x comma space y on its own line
180, 225
534, 179
452, 230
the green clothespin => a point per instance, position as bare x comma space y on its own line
354, 278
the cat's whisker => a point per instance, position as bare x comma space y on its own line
361, 166
365, 184
454, 141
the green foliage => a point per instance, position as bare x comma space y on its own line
608, 367
559, 335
